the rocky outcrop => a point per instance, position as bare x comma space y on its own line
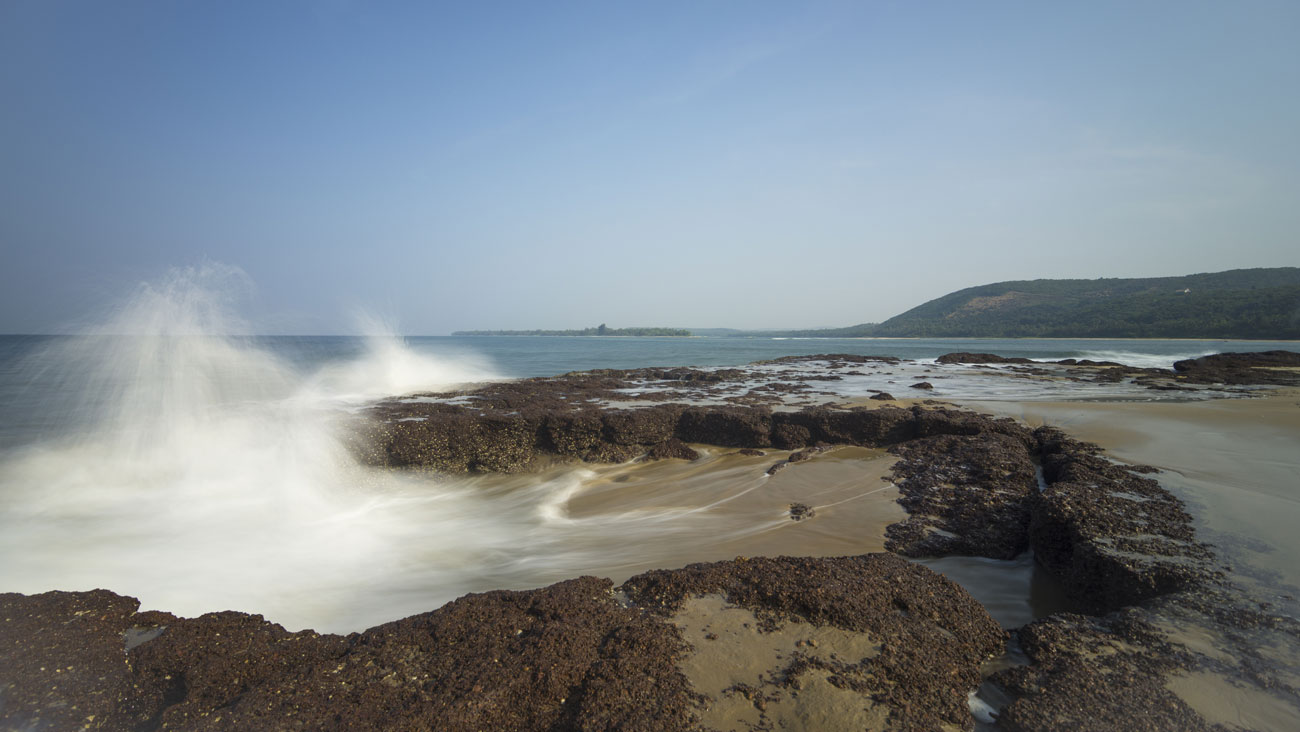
801, 511
964, 494
1120, 664
836, 360
452, 438
726, 426
1114, 537
1261, 367
614, 416
932, 635
63, 662
964, 357
672, 448
565, 657
579, 655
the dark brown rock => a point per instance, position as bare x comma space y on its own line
572, 434
964, 494
801, 511
787, 436
837, 360
1086, 362
883, 396
521, 425
858, 426
63, 661
1114, 537
933, 635
672, 448
726, 426
1112, 663
564, 657
964, 357
646, 426
1261, 367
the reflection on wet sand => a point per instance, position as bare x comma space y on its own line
1235, 464
747, 511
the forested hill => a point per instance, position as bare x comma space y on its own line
1242, 303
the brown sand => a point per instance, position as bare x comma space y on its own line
1236, 462
749, 511
1235, 706
730, 656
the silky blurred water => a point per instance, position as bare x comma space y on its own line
160, 456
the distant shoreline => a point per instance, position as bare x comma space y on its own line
598, 332
576, 334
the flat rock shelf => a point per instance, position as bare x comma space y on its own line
859, 642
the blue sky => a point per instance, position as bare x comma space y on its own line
696, 164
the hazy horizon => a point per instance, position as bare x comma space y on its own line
552, 166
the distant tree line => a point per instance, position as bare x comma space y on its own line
1259, 304
852, 331
600, 330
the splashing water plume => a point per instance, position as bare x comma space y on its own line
389, 367
199, 470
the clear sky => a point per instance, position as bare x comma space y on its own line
693, 164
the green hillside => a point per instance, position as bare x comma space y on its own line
1241, 303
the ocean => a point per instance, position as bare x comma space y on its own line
53, 385
202, 472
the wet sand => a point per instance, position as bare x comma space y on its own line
731, 659
1236, 465
748, 510
1235, 462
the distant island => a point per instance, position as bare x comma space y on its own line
1262, 304
600, 330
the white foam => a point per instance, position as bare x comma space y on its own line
980, 709
1143, 360
200, 472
